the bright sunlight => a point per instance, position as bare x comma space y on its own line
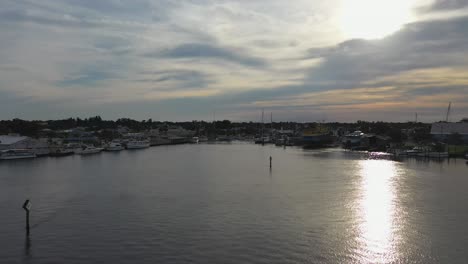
373, 19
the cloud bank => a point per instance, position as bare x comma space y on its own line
182, 60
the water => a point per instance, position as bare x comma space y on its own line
222, 204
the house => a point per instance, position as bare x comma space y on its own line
442, 130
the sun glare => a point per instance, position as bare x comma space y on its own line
373, 19
377, 210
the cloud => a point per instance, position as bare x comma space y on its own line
446, 5
189, 57
209, 51
423, 71
86, 78
177, 79
417, 46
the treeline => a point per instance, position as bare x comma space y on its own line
96, 123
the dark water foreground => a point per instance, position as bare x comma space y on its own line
222, 204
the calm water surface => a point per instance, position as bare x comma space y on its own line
222, 204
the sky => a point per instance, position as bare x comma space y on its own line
181, 60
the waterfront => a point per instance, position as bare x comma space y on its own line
220, 203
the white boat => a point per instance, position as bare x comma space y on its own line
114, 146
16, 154
138, 144
74, 147
85, 150
414, 152
195, 140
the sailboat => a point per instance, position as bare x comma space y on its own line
262, 139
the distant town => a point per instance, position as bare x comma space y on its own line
29, 139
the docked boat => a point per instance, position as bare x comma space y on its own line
159, 140
86, 150
203, 139
195, 140
224, 139
11, 154
138, 144
353, 139
60, 152
178, 140
416, 151
439, 155
114, 146
74, 147
280, 142
263, 140
317, 137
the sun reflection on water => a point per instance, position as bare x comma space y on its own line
377, 211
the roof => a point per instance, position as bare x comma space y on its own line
8, 140
443, 128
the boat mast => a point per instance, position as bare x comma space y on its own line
263, 123
448, 112
271, 120
214, 124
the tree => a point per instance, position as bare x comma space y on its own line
396, 135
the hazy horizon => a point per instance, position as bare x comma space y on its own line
304, 61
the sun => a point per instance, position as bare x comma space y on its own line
373, 19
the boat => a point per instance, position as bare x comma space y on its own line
414, 151
437, 155
159, 140
178, 140
224, 138
258, 140
86, 150
380, 155
60, 152
353, 139
195, 140
74, 147
317, 137
434, 155
11, 154
203, 139
138, 144
114, 146
280, 142
263, 140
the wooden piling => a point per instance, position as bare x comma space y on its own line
26, 207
